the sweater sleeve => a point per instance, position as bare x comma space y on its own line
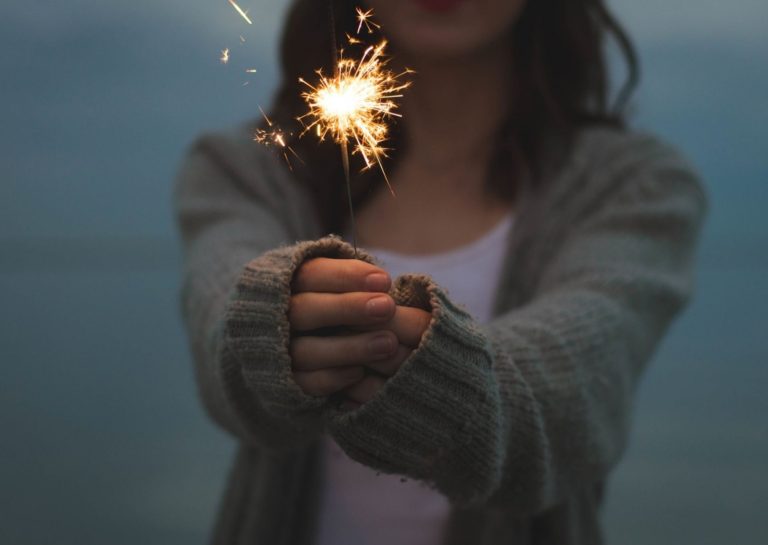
235, 211
536, 404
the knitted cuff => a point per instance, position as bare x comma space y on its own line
437, 419
257, 331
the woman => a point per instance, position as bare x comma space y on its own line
486, 399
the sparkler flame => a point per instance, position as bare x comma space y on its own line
354, 105
243, 14
224, 56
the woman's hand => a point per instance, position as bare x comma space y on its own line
408, 324
332, 293
379, 335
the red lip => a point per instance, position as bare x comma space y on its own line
439, 5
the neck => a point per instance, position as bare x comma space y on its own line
455, 108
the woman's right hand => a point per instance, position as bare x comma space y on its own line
340, 292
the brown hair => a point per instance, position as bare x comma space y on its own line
561, 85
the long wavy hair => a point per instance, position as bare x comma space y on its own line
561, 84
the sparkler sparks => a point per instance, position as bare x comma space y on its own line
273, 136
352, 40
364, 20
224, 56
243, 14
354, 105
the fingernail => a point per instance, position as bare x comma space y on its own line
377, 282
382, 345
379, 307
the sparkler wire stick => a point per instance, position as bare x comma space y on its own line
344, 146
345, 162
353, 105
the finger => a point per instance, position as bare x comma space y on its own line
312, 353
339, 276
327, 381
313, 310
408, 324
391, 365
364, 390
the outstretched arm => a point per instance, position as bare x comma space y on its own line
238, 215
252, 299
537, 403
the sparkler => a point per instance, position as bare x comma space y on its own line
354, 105
242, 13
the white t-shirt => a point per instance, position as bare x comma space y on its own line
359, 507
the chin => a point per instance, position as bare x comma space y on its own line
434, 29
437, 45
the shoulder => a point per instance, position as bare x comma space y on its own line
621, 148
604, 162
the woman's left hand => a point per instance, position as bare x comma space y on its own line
408, 324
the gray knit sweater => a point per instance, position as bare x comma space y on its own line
517, 422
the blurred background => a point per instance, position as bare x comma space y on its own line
103, 439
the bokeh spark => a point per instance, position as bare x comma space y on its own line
242, 13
